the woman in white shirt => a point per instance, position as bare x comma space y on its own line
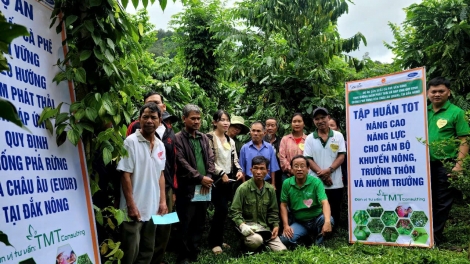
228, 172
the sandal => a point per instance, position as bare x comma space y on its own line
217, 250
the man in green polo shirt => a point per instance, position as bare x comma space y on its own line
445, 123
306, 198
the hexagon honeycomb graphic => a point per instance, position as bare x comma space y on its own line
389, 218
361, 217
375, 210
419, 235
404, 227
419, 219
404, 211
375, 225
361, 233
390, 234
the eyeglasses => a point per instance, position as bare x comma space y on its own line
300, 167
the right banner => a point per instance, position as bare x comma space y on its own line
388, 161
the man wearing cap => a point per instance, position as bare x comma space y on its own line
445, 122
237, 127
325, 150
165, 133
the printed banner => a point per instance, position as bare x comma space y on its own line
46, 210
388, 163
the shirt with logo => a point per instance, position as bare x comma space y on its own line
146, 167
305, 202
325, 153
447, 123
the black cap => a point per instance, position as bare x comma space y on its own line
320, 110
171, 118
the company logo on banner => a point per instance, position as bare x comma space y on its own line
389, 193
46, 214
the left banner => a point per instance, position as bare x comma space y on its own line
46, 211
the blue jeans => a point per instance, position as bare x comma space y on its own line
301, 229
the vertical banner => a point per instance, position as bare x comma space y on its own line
388, 163
46, 213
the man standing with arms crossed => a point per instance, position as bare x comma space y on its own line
142, 187
445, 122
195, 166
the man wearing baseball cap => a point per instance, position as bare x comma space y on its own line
325, 150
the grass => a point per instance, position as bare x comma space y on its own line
338, 250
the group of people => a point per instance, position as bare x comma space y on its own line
275, 190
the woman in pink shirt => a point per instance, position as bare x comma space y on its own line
292, 145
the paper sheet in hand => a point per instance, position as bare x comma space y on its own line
165, 219
198, 197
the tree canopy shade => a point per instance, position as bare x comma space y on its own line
436, 34
282, 55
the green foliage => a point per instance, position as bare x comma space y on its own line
4, 239
9, 33
164, 46
436, 34
285, 55
196, 43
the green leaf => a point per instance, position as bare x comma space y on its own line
115, 249
124, 3
84, 55
145, 3
117, 119
49, 126
60, 128
162, 4
80, 75
89, 25
4, 239
70, 19
107, 156
109, 56
141, 29
120, 216
8, 112
62, 117
79, 114
91, 113
110, 43
98, 215
94, 187
95, 3
73, 136
134, 68
75, 106
11, 31
46, 114
60, 139
135, 3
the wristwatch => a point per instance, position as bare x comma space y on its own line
331, 169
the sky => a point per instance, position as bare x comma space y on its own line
370, 17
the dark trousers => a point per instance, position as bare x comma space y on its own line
442, 198
138, 240
221, 194
192, 216
335, 197
162, 233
